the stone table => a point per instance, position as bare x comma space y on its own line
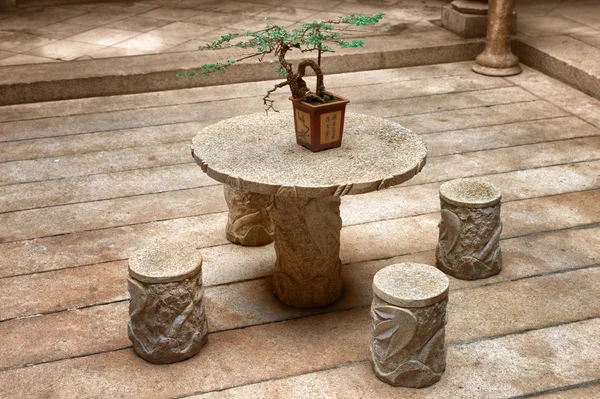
258, 153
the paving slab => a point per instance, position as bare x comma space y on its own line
44, 222
94, 163
470, 318
239, 90
477, 117
114, 185
560, 94
57, 147
504, 367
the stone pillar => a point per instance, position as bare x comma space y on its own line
469, 233
307, 244
167, 321
497, 58
249, 222
409, 319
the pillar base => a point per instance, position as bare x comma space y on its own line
489, 71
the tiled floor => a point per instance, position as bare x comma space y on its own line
84, 183
100, 30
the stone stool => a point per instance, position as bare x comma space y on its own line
167, 322
469, 240
409, 319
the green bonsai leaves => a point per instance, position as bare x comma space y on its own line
319, 36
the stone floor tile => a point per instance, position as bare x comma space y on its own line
486, 309
21, 23
127, 8
95, 163
94, 19
507, 159
478, 117
184, 29
190, 45
170, 13
239, 7
114, 185
6, 54
113, 213
547, 26
507, 135
223, 19
505, 367
114, 120
102, 141
111, 244
151, 41
560, 94
583, 391
21, 42
60, 30
59, 331
63, 289
592, 38
104, 36
112, 52
256, 352
437, 103
21, 59
138, 24
287, 13
183, 96
65, 50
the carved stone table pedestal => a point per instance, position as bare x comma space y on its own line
409, 318
469, 240
258, 154
307, 243
497, 58
167, 321
249, 221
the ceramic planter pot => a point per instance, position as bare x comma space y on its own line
319, 127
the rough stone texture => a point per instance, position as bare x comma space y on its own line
249, 221
167, 320
407, 345
307, 244
469, 233
471, 6
410, 285
497, 58
375, 154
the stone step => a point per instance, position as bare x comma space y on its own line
135, 74
560, 57
336, 338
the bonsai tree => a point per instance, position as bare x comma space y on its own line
278, 41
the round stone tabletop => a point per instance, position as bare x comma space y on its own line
470, 193
411, 285
164, 263
258, 153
